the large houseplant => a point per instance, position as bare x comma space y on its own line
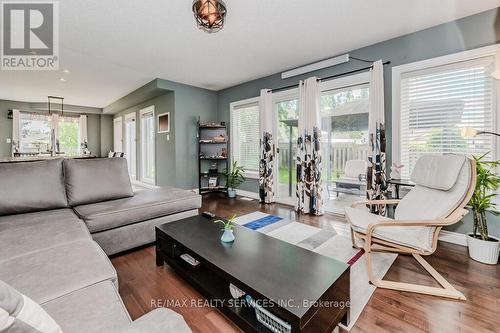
482, 246
234, 177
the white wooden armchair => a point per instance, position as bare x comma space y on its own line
444, 185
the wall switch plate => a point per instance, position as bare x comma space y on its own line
168, 137
8, 140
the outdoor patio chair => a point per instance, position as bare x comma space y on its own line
444, 185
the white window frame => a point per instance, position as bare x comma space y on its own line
142, 112
252, 174
118, 134
127, 118
398, 71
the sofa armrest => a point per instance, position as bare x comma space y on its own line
160, 320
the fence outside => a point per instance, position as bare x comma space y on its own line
340, 153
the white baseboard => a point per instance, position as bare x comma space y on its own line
248, 194
453, 237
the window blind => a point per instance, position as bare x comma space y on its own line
437, 102
246, 136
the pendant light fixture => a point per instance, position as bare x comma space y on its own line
209, 14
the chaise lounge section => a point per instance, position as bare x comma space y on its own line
57, 216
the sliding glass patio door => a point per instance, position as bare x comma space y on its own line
344, 142
286, 108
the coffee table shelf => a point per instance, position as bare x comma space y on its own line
267, 269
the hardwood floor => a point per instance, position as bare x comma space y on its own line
144, 286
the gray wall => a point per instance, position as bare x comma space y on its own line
176, 159
464, 34
96, 123
164, 149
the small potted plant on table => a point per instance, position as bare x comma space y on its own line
482, 246
234, 178
228, 235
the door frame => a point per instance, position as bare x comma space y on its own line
278, 97
142, 112
131, 117
118, 125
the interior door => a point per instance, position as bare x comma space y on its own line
118, 134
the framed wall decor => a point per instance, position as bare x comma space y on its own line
164, 122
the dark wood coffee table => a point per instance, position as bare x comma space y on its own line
305, 289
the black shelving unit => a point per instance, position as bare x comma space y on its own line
209, 153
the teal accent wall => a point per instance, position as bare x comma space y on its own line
468, 33
97, 124
176, 157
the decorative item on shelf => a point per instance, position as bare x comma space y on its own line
223, 152
482, 246
10, 114
234, 178
212, 181
223, 123
85, 148
228, 235
213, 169
209, 14
396, 170
219, 138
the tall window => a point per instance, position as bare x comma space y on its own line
130, 147
69, 135
35, 133
437, 102
147, 145
245, 135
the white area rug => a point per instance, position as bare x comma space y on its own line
330, 244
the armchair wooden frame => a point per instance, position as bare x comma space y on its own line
374, 244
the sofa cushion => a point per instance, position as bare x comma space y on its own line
57, 271
18, 313
94, 180
144, 205
24, 233
417, 237
31, 186
97, 308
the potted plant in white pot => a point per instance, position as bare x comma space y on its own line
234, 178
482, 246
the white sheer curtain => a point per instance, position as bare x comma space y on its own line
82, 133
376, 185
309, 188
266, 176
16, 124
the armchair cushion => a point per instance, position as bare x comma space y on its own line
419, 238
425, 203
438, 172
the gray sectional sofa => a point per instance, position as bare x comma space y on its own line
59, 221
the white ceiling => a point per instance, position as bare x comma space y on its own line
112, 47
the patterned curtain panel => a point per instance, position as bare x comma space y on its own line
309, 188
266, 165
376, 182
266, 190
